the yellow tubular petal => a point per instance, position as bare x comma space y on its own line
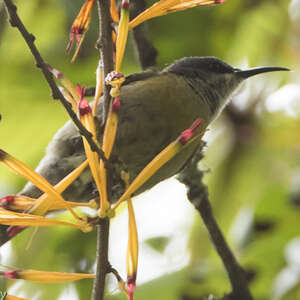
78, 47
49, 277
189, 4
39, 181
111, 127
80, 26
108, 142
83, 18
70, 178
69, 98
99, 86
133, 247
114, 37
90, 204
26, 203
93, 163
159, 160
89, 123
87, 13
22, 203
104, 204
66, 83
122, 288
42, 205
71, 89
11, 297
114, 11
122, 37
153, 11
166, 6
21, 219
93, 160
57, 206
17, 202
87, 119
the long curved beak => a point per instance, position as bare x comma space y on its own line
254, 71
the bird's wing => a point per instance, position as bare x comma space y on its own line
139, 76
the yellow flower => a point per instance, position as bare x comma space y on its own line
164, 7
42, 204
122, 34
132, 247
99, 85
86, 117
45, 276
19, 202
21, 169
11, 297
114, 11
108, 142
132, 251
11, 218
73, 97
80, 26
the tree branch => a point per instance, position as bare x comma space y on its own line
198, 196
29, 38
105, 47
102, 263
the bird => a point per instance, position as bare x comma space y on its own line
156, 106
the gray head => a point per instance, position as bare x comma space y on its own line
211, 66
213, 79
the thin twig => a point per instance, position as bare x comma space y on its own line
29, 38
198, 195
116, 274
105, 47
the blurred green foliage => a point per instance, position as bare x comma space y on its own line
255, 163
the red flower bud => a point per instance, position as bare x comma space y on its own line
116, 105
6, 201
11, 274
14, 230
187, 134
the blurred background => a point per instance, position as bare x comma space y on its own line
252, 159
